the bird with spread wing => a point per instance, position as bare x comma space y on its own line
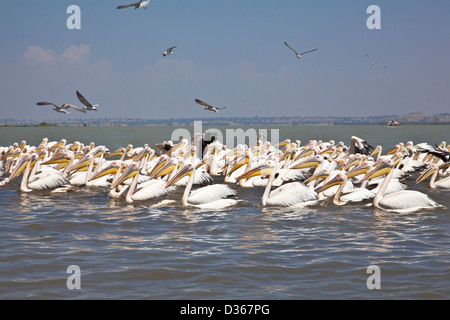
61, 109
299, 55
208, 106
136, 5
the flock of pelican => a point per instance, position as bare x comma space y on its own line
288, 174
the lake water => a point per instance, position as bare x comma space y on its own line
246, 252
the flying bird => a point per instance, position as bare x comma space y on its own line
373, 62
88, 105
137, 5
61, 109
169, 51
208, 106
299, 55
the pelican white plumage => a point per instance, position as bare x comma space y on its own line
40, 182
401, 202
145, 191
353, 195
136, 5
61, 109
210, 197
299, 55
169, 51
87, 105
287, 195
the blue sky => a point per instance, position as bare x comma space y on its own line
230, 53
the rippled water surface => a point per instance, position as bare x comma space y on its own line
245, 252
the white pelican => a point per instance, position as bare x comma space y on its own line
169, 51
87, 105
353, 195
287, 195
61, 109
402, 201
208, 106
136, 5
299, 55
433, 172
209, 197
41, 182
145, 191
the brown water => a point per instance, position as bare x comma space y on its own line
245, 252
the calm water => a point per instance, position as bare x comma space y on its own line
246, 252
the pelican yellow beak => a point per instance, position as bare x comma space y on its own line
111, 169
425, 175
330, 149
141, 155
393, 150
305, 153
201, 164
354, 162
161, 163
314, 162
130, 172
381, 169
244, 160
258, 171
375, 152
118, 152
320, 175
83, 163
57, 145
444, 166
333, 182
167, 169
356, 171
283, 143
61, 158
186, 171
19, 169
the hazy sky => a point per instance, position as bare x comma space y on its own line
230, 53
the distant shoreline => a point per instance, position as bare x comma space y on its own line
416, 118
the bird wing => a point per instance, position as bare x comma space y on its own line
66, 106
290, 48
47, 104
170, 49
308, 51
200, 102
136, 5
83, 100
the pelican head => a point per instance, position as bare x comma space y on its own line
130, 172
383, 168
363, 168
337, 180
427, 173
269, 168
168, 168
187, 170
312, 162
22, 165
111, 169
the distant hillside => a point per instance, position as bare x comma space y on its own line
411, 118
